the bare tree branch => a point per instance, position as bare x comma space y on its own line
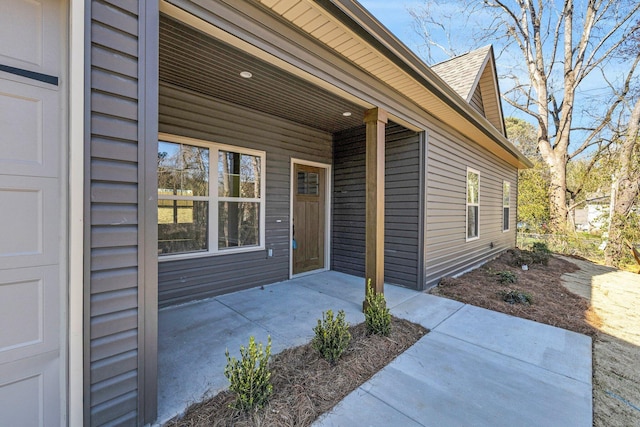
620, 98
578, 35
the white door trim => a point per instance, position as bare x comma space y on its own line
327, 204
76, 129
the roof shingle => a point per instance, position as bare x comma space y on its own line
461, 72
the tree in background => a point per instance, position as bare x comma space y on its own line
624, 223
625, 191
533, 184
560, 45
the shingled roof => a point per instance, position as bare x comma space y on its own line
462, 71
474, 73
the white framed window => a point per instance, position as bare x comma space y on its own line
473, 204
210, 198
506, 201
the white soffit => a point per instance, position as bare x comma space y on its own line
318, 23
314, 20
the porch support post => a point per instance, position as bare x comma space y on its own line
375, 120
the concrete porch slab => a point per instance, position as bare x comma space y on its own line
192, 340
476, 367
193, 337
351, 288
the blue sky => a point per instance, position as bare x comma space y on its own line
592, 95
395, 16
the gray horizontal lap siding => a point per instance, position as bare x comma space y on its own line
446, 250
189, 114
112, 334
476, 100
402, 189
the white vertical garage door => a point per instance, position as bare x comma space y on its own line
32, 213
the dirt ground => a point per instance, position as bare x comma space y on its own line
615, 298
580, 296
305, 385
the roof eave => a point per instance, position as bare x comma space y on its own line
359, 20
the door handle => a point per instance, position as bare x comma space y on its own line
45, 78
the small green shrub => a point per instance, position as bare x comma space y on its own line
540, 253
520, 257
506, 276
516, 297
376, 314
249, 377
332, 336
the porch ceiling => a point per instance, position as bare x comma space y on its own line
345, 26
198, 62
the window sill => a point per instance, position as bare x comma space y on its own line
471, 239
193, 255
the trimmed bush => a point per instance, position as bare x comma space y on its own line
540, 253
520, 257
249, 377
376, 314
506, 276
332, 336
516, 297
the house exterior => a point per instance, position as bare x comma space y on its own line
593, 215
153, 153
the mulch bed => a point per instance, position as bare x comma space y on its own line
552, 303
304, 385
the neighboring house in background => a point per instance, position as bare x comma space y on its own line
155, 153
594, 215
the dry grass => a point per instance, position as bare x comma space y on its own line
305, 385
615, 297
552, 303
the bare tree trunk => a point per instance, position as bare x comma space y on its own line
628, 188
557, 162
558, 196
561, 43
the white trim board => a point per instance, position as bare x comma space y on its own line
76, 129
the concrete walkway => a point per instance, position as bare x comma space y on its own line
476, 368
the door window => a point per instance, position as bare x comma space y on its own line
308, 183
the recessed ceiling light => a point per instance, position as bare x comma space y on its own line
246, 74
346, 113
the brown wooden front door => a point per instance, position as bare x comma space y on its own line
308, 218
